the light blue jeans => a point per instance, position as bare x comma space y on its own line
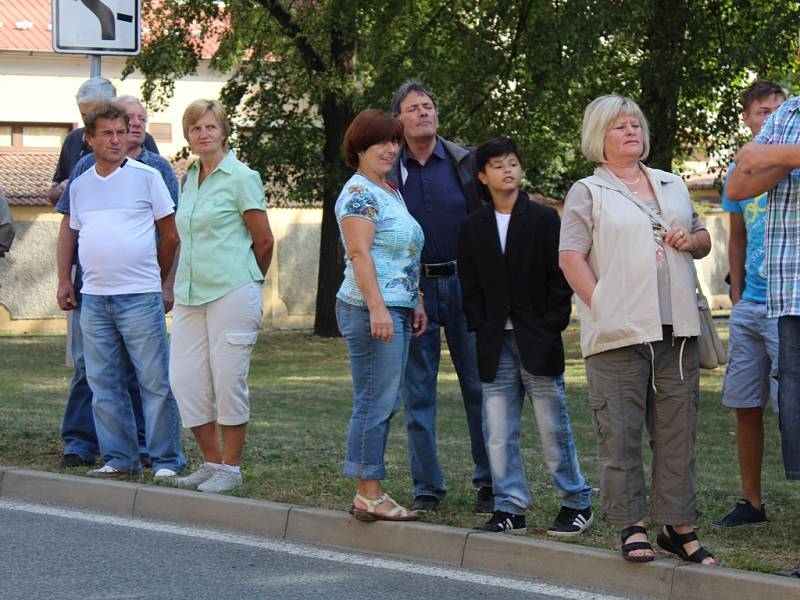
132, 322
377, 368
502, 409
444, 310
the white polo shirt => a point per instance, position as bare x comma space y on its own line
115, 217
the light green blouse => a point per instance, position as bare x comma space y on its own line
216, 255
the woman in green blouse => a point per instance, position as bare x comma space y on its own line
226, 248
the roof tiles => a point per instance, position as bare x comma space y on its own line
25, 177
23, 12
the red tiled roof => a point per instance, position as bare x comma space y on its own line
38, 37
26, 177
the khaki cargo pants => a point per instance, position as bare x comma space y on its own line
655, 384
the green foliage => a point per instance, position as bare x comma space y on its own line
524, 68
301, 69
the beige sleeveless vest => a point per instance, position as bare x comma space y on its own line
624, 308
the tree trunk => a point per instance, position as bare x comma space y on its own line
661, 75
337, 112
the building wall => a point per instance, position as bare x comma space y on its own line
28, 273
41, 87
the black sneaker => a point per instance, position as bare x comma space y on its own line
571, 521
505, 522
70, 461
743, 513
485, 501
424, 503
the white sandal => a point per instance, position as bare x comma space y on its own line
369, 514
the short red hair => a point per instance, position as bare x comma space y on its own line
370, 127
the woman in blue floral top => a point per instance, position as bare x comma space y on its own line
379, 306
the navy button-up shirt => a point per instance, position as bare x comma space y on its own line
435, 199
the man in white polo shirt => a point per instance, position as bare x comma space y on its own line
115, 209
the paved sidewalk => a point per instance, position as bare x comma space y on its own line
550, 561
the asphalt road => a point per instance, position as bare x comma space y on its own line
52, 553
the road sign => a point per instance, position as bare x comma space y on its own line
96, 26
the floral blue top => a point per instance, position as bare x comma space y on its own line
395, 249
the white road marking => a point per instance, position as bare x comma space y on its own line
275, 545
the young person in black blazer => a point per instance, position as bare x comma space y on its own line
517, 300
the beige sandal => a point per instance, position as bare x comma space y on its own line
370, 514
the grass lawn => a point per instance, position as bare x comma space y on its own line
301, 401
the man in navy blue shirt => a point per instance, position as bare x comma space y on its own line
77, 428
439, 184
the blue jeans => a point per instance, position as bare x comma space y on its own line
377, 368
133, 323
789, 393
502, 408
77, 427
444, 309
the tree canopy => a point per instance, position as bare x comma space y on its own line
300, 70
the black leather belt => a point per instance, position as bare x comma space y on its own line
444, 269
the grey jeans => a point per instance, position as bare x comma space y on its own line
656, 385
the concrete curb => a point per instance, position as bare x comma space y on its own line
551, 561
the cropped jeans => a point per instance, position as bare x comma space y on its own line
377, 369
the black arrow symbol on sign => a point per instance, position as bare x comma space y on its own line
108, 24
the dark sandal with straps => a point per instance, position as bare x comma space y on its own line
632, 546
674, 542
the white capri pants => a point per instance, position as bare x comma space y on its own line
209, 357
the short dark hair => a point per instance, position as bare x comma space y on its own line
370, 127
408, 86
106, 110
760, 88
494, 148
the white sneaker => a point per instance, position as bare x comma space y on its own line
222, 481
106, 472
190, 482
164, 474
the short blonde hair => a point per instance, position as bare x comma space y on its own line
600, 116
198, 109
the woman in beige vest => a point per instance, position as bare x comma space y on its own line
628, 238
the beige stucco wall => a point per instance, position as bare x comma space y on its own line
41, 87
28, 274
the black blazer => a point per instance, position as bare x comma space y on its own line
524, 284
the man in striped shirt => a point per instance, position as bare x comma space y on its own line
772, 163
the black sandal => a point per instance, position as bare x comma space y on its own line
631, 546
674, 542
